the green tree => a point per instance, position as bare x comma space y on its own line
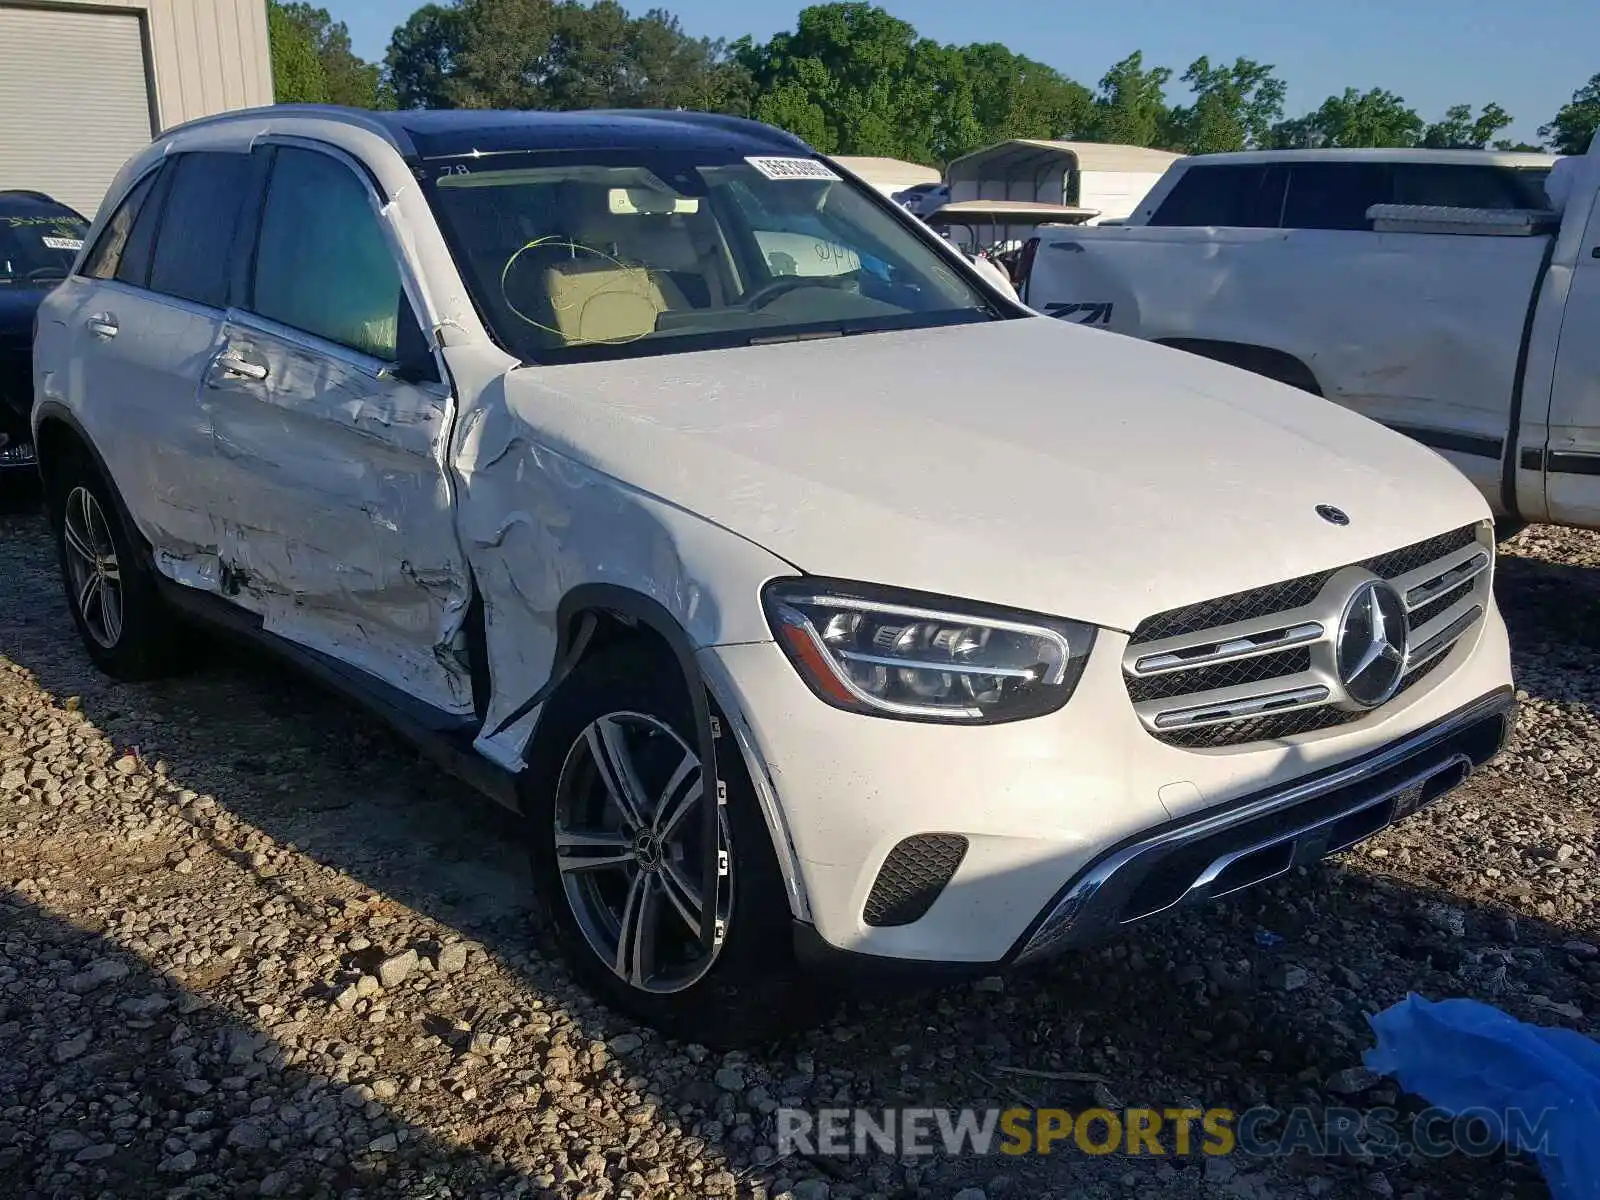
1234, 107
1574, 126
544, 54
1355, 119
605, 57
421, 62
852, 79
1015, 97
347, 78
1131, 105
297, 75
1461, 131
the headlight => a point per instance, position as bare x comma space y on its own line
919, 657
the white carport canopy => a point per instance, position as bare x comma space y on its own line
888, 174
1042, 170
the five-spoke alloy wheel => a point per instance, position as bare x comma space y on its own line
615, 798
628, 840
93, 574
107, 573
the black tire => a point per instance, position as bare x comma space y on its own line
143, 645
749, 991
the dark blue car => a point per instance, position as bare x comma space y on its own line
39, 239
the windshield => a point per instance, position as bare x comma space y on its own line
574, 256
38, 250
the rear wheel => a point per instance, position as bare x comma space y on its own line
615, 805
111, 592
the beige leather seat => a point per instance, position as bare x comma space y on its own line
596, 300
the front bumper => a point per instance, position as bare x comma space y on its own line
1079, 822
16, 436
1265, 836
17, 453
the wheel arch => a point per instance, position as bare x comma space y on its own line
601, 608
1258, 360
592, 617
57, 435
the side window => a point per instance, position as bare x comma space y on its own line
1335, 195
198, 225
323, 265
141, 249
1457, 186
1244, 196
105, 260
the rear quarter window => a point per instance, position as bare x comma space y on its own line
123, 250
1248, 196
1335, 195
1465, 186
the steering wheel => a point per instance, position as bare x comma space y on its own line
784, 284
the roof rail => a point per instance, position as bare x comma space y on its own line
359, 117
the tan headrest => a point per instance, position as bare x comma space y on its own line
597, 301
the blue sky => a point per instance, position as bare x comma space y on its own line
1528, 56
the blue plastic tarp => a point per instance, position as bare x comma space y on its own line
1466, 1057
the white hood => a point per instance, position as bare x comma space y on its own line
1025, 462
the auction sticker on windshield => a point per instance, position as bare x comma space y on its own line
61, 243
791, 168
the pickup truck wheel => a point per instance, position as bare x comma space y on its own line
614, 807
121, 619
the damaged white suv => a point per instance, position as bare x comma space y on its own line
814, 601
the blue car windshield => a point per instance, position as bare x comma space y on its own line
37, 250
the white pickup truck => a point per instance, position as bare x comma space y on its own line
1453, 296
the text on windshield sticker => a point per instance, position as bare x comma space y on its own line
791, 168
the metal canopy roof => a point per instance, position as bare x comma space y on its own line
1009, 212
1033, 157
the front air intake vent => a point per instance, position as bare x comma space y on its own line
912, 877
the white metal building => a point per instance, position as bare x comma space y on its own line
888, 175
1109, 178
86, 83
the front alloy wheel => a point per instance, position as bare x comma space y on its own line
629, 816
615, 797
93, 572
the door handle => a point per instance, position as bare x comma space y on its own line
1595, 253
241, 368
102, 325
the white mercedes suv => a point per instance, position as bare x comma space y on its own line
813, 601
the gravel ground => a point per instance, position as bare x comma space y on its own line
251, 945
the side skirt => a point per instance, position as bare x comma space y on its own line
444, 738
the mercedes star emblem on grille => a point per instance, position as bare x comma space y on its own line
1332, 515
1372, 644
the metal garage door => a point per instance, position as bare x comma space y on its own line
74, 100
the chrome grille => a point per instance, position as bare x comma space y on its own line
1203, 679
1261, 665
